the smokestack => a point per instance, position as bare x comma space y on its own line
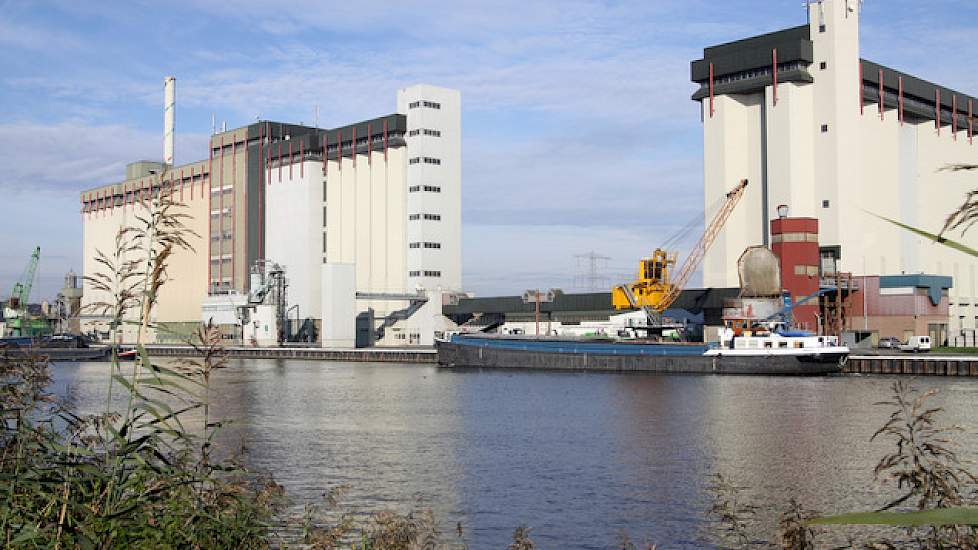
169, 117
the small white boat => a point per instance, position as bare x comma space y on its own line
780, 341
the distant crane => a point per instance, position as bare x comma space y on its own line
15, 312
655, 290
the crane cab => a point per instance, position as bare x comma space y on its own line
651, 287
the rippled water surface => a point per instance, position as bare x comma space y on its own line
579, 457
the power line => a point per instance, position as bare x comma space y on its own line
592, 276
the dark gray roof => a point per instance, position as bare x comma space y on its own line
743, 66
753, 53
920, 97
693, 300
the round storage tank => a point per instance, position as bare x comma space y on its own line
760, 272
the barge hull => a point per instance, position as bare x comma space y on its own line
451, 354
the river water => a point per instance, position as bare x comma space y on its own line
578, 457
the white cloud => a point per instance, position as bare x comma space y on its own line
72, 156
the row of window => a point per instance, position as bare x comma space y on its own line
424, 103
425, 245
428, 188
426, 273
425, 131
432, 217
754, 73
427, 160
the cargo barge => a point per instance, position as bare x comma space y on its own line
58, 348
771, 354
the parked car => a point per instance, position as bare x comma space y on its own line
917, 344
889, 342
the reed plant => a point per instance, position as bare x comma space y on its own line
132, 476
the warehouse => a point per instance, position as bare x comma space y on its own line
330, 209
836, 138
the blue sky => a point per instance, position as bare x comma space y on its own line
578, 130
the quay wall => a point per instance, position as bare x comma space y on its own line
914, 365
372, 355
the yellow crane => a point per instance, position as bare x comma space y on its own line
656, 289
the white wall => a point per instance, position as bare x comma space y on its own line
446, 261
293, 238
339, 305
366, 223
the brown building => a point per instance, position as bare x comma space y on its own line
904, 306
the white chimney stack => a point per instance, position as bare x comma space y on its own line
169, 117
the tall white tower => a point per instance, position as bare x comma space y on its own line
169, 118
434, 180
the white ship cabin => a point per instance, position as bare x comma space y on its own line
775, 336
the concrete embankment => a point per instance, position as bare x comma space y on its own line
917, 365
372, 355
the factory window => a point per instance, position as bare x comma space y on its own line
432, 188
810, 270
414, 188
825, 128
414, 245
324, 216
823, 65
414, 105
821, 28
415, 160
434, 217
414, 273
414, 217
324, 243
432, 105
432, 273
430, 160
825, 204
413, 133
432, 245
324, 190
433, 133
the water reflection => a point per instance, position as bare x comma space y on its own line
580, 457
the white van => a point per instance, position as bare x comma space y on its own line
916, 344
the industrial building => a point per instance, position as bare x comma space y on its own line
361, 221
836, 138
